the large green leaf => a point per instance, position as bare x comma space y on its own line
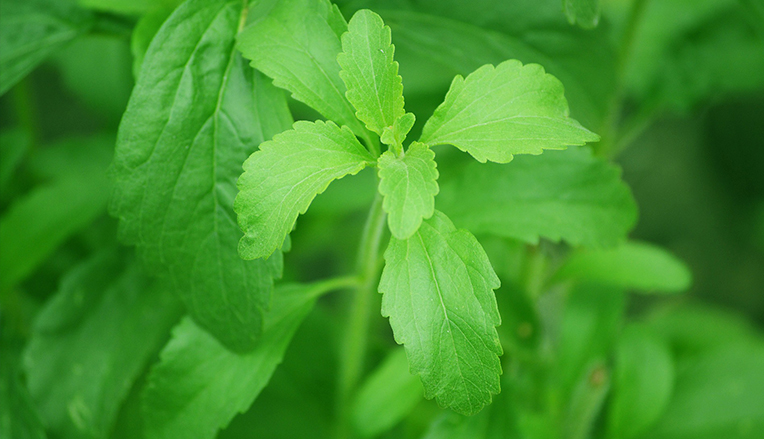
497, 112
643, 380
280, 181
437, 288
569, 195
196, 113
199, 386
370, 74
296, 43
31, 30
409, 185
92, 340
633, 265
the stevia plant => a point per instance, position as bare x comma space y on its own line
478, 298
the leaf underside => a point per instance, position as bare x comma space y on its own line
437, 291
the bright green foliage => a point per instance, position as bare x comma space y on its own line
75, 376
31, 30
196, 113
280, 181
633, 265
297, 44
497, 112
37, 223
145, 30
396, 134
437, 288
197, 373
568, 195
371, 76
387, 396
643, 381
409, 185
585, 13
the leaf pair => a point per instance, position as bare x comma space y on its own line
437, 282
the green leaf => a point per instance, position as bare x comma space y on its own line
15, 143
196, 113
719, 394
196, 373
92, 340
643, 381
370, 74
18, 416
437, 288
297, 44
37, 223
409, 185
128, 6
144, 31
568, 195
497, 112
585, 13
633, 265
396, 134
30, 31
280, 181
387, 396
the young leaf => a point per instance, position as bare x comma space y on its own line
297, 44
30, 30
196, 113
643, 380
371, 76
396, 134
409, 185
569, 195
636, 265
437, 288
585, 13
497, 112
92, 340
387, 396
196, 372
280, 181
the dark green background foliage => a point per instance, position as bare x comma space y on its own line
178, 260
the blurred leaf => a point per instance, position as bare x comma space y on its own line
128, 6
196, 372
634, 265
195, 114
91, 341
718, 394
18, 416
31, 30
497, 421
569, 195
387, 396
643, 381
586, 401
687, 51
585, 13
97, 69
37, 223
13, 146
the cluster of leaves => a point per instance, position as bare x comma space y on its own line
178, 339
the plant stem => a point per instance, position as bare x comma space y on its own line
357, 326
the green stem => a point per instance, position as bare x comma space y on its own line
320, 288
357, 326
